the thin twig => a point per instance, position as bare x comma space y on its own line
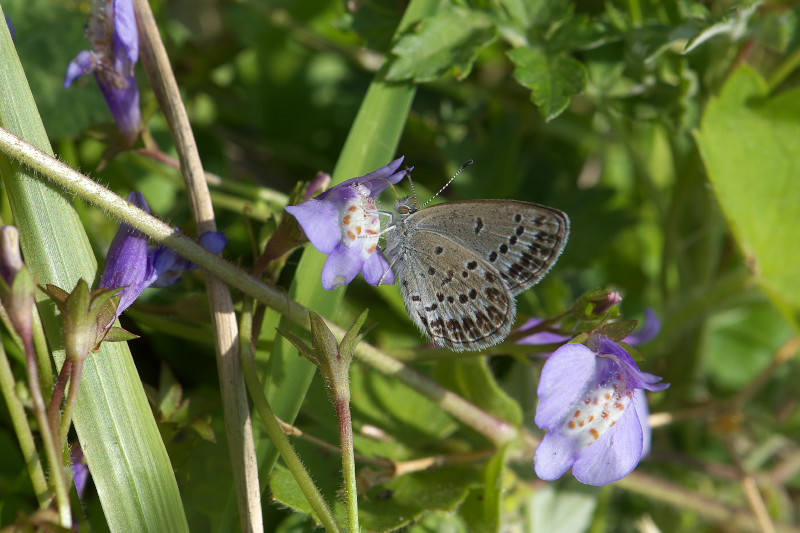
238, 424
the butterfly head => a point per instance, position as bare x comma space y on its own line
405, 206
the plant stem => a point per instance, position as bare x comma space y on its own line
23, 430
51, 447
348, 458
494, 429
273, 427
74, 384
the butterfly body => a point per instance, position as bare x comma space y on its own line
461, 264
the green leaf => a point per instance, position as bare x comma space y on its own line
550, 510
472, 379
483, 508
445, 42
405, 414
749, 143
741, 342
49, 36
129, 464
554, 78
385, 507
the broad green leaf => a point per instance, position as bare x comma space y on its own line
445, 42
739, 343
554, 78
403, 413
551, 510
483, 508
385, 507
472, 379
749, 143
124, 450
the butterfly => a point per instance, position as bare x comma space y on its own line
461, 264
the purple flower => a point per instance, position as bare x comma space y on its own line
649, 330
343, 222
115, 50
132, 265
592, 404
170, 266
80, 470
128, 265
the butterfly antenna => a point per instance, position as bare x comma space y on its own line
413, 190
465, 165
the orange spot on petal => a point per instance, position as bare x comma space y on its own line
595, 433
346, 220
619, 406
571, 424
351, 235
372, 248
577, 413
352, 208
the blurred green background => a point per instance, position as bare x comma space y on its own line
668, 131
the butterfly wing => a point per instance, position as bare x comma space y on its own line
521, 240
458, 300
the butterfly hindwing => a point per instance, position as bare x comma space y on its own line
458, 301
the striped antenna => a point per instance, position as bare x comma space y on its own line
465, 165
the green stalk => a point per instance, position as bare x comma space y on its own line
273, 428
23, 430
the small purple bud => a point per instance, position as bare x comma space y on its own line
610, 300
320, 183
10, 256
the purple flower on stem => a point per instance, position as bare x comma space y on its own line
115, 50
132, 265
344, 223
592, 404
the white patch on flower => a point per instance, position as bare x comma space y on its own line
600, 410
360, 221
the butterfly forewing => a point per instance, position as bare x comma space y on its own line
460, 264
460, 302
521, 240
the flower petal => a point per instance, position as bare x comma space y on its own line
84, 63
214, 241
127, 36
554, 455
643, 413
649, 330
540, 337
614, 455
376, 181
320, 220
342, 266
377, 267
124, 105
565, 376
128, 262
